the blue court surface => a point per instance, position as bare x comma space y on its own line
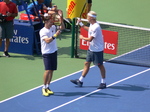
128, 90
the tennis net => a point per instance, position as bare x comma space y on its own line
133, 44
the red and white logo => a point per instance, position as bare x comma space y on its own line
110, 41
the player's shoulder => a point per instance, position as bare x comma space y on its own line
43, 30
95, 26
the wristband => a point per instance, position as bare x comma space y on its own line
81, 24
54, 35
48, 8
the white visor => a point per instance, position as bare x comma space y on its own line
91, 15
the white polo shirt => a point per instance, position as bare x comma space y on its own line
47, 48
97, 44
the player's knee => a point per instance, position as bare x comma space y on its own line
86, 63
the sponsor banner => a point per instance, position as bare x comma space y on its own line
75, 7
22, 41
110, 41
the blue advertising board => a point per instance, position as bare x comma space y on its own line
23, 39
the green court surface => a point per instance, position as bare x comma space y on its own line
20, 73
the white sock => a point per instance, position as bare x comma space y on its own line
47, 85
81, 78
44, 86
103, 80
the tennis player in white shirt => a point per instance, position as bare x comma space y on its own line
95, 52
49, 49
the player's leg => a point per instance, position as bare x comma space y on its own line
79, 81
102, 71
49, 77
52, 65
103, 75
46, 77
86, 68
98, 60
45, 80
48, 82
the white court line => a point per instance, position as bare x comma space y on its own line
97, 90
40, 86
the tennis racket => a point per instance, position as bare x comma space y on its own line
57, 23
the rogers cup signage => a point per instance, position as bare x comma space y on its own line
110, 40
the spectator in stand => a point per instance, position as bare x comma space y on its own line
40, 8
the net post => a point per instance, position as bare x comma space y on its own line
73, 38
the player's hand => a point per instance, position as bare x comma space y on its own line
60, 13
78, 20
81, 37
58, 32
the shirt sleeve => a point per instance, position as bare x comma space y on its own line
43, 34
44, 37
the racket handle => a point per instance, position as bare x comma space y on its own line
77, 23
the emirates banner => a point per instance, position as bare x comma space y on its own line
110, 41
